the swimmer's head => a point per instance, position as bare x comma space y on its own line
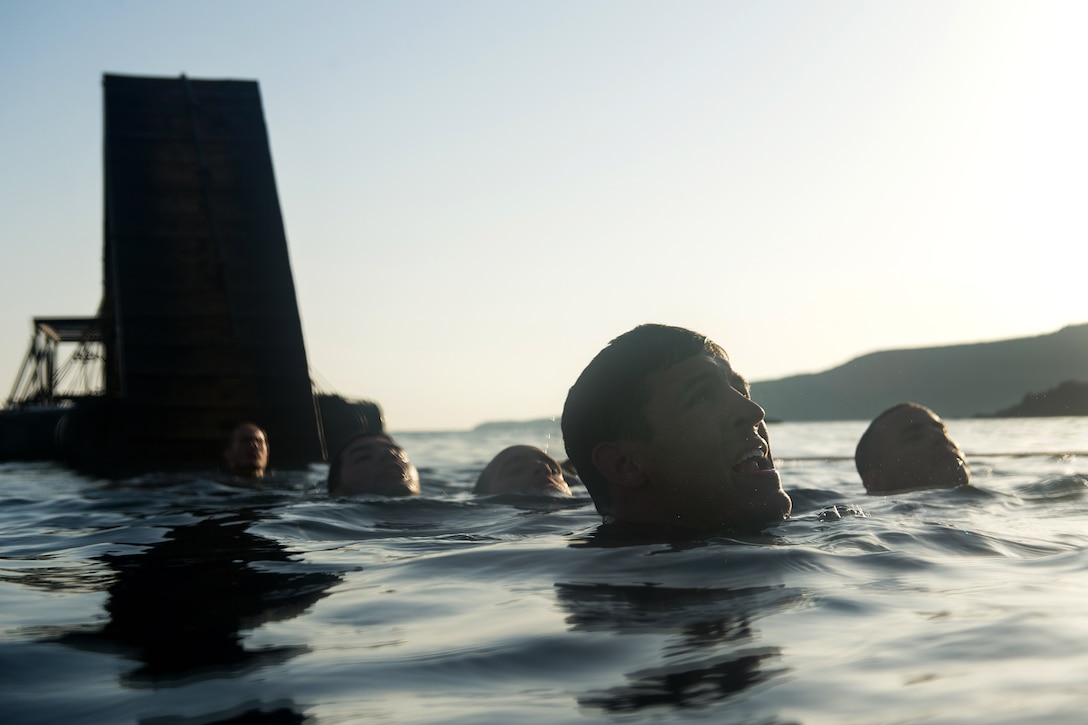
662, 430
247, 451
523, 469
907, 447
372, 465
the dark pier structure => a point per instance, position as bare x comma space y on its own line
199, 325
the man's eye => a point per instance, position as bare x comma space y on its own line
701, 395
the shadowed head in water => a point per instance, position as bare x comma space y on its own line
662, 430
247, 451
372, 465
523, 469
907, 448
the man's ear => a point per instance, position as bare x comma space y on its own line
618, 464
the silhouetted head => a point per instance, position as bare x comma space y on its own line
247, 451
522, 469
372, 464
663, 431
906, 448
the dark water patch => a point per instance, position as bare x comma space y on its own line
253, 712
46, 682
179, 607
695, 686
702, 616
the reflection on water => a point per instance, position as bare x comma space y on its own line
711, 652
180, 608
689, 687
252, 713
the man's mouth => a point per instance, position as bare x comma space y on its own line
754, 461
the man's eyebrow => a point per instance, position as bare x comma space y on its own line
699, 379
712, 376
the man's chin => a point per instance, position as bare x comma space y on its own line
953, 475
759, 484
754, 500
766, 501
784, 506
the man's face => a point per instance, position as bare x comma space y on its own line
375, 464
525, 469
707, 456
914, 451
248, 451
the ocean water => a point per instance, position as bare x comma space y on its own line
171, 599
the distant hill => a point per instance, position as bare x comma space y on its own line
1069, 398
957, 381
527, 426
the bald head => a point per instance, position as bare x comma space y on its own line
907, 448
523, 469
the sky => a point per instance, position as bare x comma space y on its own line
479, 195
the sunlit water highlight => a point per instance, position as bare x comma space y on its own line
166, 600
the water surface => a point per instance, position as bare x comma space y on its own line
172, 599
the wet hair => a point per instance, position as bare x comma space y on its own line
607, 401
866, 457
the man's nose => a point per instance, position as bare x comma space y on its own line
743, 412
